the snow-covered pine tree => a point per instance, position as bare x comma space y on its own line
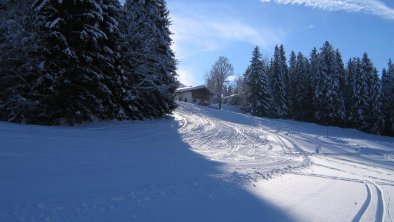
165, 60
328, 98
308, 99
365, 108
279, 83
360, 96
314, 80
340, 76
82, 33
132, 58
147, 58
291, 89
16, 60
258, 94
112, 14
302, 91
373, 121
388, 99
75, 70
352, 71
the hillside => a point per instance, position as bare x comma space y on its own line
199, 164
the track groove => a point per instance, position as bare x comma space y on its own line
365, 205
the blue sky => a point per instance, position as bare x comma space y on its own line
206, 29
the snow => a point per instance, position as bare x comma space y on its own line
199, 164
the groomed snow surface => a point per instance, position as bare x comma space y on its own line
199, 164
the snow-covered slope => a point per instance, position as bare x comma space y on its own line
200, 164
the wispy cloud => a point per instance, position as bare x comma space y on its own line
212, 33
310, 27
199, 29
373, 7
186, 76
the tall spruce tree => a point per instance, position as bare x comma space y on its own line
341, 75
302, 91
147, 58
75, 62
314, 80
258, 94
292, 79
365, 103
82, 33
17, 64
328, 97
359, 100
352, 70
374, 91
279, 71
388, 99
133, 59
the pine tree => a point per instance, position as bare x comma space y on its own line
328, 98
258, 94
301, 88
292, 81
163, 58
17, 44
365, 102
279, 83
147, 58
373, 122
133, 52
352, 70
314, 81
360, 99
82, 33
111, 67
388, 99
339, 88
85, 60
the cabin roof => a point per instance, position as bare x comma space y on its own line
190, 88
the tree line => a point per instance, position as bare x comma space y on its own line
68, 62
320, 89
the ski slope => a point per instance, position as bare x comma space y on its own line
199, 164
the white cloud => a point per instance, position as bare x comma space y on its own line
198, 28
373, 7
310, 27
209, 33
186, 77
234, 77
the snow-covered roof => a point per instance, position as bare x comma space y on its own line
190, 88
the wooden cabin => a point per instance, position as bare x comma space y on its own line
200, 95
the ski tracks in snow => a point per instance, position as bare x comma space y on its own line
249, 149
373, 208
260, 149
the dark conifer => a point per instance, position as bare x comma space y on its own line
279, 80
388, 99
258, 94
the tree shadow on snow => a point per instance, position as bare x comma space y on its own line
117, 171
